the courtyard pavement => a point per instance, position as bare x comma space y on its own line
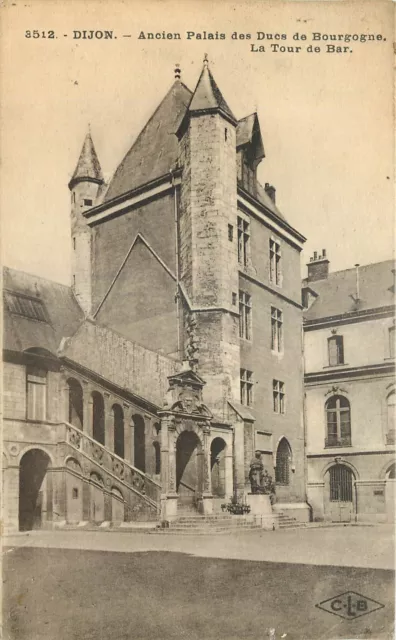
88, 585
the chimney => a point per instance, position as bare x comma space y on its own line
271, 191
318, 266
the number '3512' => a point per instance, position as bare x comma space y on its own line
39, 34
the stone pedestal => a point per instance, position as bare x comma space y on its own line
260, 504
169, 506
206, 504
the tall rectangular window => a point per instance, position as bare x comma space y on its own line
276, 329
36, 393
246, 387
243, 241
278, 393
245, 315
336, 350
275, 262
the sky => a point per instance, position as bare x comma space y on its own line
326, 118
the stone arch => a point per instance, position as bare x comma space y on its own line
340, 460
98, 417
74, 465
35, 492
44, 449
386, 469
218, 449
75, 403
139, 442
119, 429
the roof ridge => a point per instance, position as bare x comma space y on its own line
33, 275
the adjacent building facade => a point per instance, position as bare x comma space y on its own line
146, 387
349, 340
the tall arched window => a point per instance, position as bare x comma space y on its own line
98, 417
391, 417
75, 403
118, 426
338, 418
283, 460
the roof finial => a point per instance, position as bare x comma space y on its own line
89, 128
177, 71
206, 61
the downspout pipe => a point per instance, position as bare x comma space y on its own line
177, 295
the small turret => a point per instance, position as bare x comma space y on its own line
84, 187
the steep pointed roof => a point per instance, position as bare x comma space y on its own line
156, 149
88, 165
207, 95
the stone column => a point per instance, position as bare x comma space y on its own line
11, 499
148, 444
65, 400
228, 462
59, 494
87, 409
108, 422
239, 459
206, 483
168, 469
132, 437
128, 453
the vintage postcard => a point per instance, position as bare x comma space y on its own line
198, 379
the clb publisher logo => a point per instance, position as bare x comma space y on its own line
350, 605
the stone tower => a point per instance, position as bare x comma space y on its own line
84, 187
208, 239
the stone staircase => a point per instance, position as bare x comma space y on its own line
287, 522
190, 523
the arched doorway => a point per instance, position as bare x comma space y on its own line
98, 417
340, 494
118, 425
76, 411
217, 467
188, 468
390, 493
35, 498
139, 438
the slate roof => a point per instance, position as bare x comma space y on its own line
88, 165
63, 313
207, 95
376, 289
156, 149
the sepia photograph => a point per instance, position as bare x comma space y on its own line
198, 392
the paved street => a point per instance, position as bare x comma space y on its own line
98, 585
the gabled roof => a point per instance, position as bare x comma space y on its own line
88, 165
207, 95
155, 151
334, 292
59, 313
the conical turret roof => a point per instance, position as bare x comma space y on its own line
88, 165
207, 95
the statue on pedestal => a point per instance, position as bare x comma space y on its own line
256, 473
260, 480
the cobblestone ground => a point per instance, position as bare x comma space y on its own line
79, 586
